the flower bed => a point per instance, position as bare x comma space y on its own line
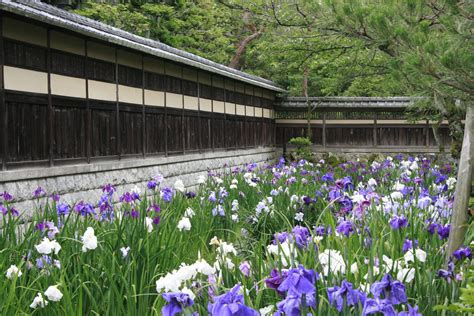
284, 239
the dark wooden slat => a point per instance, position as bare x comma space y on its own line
88, 110
117, 119
50, 105
143, 109
3, 107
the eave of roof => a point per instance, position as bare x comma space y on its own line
54, 16
347, 102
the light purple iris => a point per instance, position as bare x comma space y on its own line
338, 294
176, 303
389, 289
229, 304
398, 222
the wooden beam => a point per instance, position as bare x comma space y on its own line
183, 129
165, 118
3, 106
88, 110
199, 113
427, 131
375, 130
212, 114
117, 109
143, 109
50, 101
460, 215
324, 130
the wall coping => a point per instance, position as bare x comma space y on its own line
125, 163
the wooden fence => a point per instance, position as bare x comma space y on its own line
357, 124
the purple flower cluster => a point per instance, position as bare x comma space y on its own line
230, 304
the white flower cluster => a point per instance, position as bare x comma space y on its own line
149, 224
223, 250
13, 271
402, 267
184, 224
47, 246
233, 184
332, 261
52, 293
173, 281
179, 186
286, 252
89, 240
201, 179
235, 209
248, 176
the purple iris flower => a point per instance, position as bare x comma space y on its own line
334, 194
299, 280
463, 252
345, 227
43, 261
218, 210
292, 304
155, 208
412, 311
408, 244
347, 182
62, 209
398, 222
151, 184
108, 188
129, 197
176, 303
307, 200
7, 197
328, 177
212, 197
84, 209
339, 183
244, 267
167, 194
336, 295
190, 195
280, 238
301, 235
320, 230
346, 204
275, 280
156, 220
134, 213
373, 306
39, 192
229, 304
443, 231
391, 290
432, 228
447, 274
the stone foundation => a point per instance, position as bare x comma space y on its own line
84, 182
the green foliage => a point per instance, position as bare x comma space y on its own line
201, 27
303, 148
104, 282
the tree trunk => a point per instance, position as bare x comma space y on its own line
236, 61
308, 104
459, 218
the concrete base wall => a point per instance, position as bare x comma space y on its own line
84, 182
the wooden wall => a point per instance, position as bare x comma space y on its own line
359, 128
67, 98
